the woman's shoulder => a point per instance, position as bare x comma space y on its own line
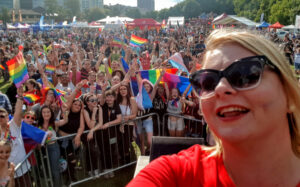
191, 167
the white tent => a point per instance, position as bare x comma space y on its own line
234, 20
9, 26
114, 20
289, 27
174, 21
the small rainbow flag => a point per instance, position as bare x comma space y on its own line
2, 67
50, 69
30, 98
17, 69
136, 41
117, 42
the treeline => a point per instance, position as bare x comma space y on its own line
283, 11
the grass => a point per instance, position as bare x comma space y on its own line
122, 177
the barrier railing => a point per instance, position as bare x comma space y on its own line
60, 162
192, 127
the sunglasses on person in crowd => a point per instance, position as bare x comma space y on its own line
30, 117
93, 100
2, 116
243, 74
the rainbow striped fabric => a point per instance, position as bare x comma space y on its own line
59, 94
50, 69
30, 98
17, 69
117, 42
2, 67
136, 41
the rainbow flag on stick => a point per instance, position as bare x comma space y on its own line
2, 67
30, 98
136, 41
50, 69
17, 69
117, 42
151, 75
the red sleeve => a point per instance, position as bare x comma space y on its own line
192, 167
158, 173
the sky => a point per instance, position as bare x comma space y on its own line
159, 4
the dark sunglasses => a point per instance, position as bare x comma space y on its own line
30, 117
243, 74
2, 116
93, 100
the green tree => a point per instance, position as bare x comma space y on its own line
73, 7
5, 16
95, 14
51, 6
133, 13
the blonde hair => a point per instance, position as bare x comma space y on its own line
259, 45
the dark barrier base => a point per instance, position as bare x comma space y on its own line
171, 145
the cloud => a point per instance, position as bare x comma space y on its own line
159, 4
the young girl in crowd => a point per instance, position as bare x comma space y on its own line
175, 124
111, 117
47, 123
147, 122
92, 117
128, 108
74, 125
7, 170
160, 107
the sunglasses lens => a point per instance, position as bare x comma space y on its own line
2, 116
241, 75
245, 74
205, 82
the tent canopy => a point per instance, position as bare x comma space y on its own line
263, 25
114, 20
276, 25
173, 21
144, 23
289, 27
233, 20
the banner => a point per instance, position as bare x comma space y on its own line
297, 22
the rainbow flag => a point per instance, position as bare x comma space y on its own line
117, 42
175, 81
30, 98
177, 62
59, 94
136, 41
151, 75
50, 69
2, 67
17, 69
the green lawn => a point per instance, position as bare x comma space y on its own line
122, 177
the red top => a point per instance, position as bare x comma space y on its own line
191, 167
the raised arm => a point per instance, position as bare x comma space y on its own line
153, 93
81, 128
18, 107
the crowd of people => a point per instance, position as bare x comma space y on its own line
98, 92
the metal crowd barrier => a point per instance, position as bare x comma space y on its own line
193, 127
109, 150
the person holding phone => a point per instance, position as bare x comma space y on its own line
250, 100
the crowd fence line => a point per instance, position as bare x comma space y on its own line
110, 150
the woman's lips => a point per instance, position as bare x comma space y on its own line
231, 111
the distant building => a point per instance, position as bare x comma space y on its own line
28, 16
6, 4
38, 3
88, 4
26, 4
146, 5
